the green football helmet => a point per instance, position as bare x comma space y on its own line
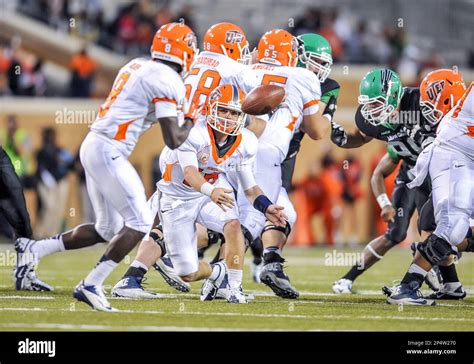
380, 93
316, 55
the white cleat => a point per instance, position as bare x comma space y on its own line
24, 276
342, 286
237, 296
93, 296
131, 287
256, 270
210, 287
164, 266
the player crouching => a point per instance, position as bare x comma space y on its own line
193, 190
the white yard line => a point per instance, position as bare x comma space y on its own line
27, 298
263, 315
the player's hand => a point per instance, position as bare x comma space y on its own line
338, 134
222, 197
388, 214
275, 215
330, 108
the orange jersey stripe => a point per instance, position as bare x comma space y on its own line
291, 125
167, 174
310, 103
232, 149
164, 99
122, 130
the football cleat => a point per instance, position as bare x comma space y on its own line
164, 266
449, 291
256, 270
274, 277
433, 279
93, 296
343, 285
236, 296
210, 287
24, 276
408, 294
131, 287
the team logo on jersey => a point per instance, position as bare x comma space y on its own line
233, 36
385, 77
435, 89
203, 156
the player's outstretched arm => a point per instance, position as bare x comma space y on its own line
345, 139
260, 202
384, 168
173, 134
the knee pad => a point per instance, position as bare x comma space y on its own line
470, 244
214, 238
157, 239
248, 239
285, 230
435, 249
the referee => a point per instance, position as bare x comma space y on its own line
12, 201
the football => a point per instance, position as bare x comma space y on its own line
263, 99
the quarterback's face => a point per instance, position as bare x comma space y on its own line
230, 118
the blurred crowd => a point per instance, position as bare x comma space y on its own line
130, 31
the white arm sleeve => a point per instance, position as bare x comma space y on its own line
187, 158
246, 177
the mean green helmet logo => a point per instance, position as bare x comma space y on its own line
385, 77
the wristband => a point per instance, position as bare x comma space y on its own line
383, 200
207, 189
262, 203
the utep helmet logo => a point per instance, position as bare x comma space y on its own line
435, 89
192, 40
233, 36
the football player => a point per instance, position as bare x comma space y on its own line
223, 61
390, 113
194, 190
277, 56
449, 161
145, 91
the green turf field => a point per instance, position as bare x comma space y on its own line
316, 309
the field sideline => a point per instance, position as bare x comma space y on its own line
317, 309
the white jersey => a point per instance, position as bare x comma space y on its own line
211, 160
303, 92
143, 91
458, 123
208, 71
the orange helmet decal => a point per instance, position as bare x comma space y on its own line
223, 109
278, 47
175, 42
440, 91
228, 39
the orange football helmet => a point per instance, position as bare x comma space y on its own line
223, 109
440, 91
175, 42
278, 47
228, 39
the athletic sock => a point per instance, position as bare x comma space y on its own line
414, 273
101, 271
235, 277
449, 273
136, 269
353, 273
42, 248
272, 254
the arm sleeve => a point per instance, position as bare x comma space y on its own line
187, 152
245, 172
167, 93
310, 89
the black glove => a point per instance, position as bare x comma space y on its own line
330, 108
338, 134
